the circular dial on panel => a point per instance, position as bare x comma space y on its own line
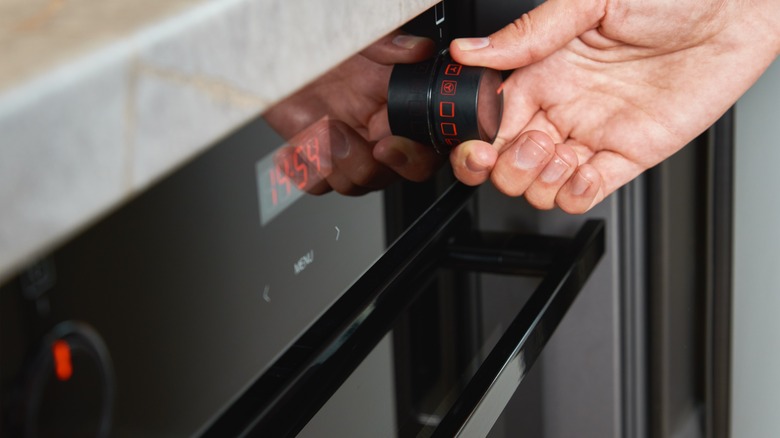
69, 388
444, 103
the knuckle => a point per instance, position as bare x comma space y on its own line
522, 25
540, 204
506, 185
571, 207
522, 29
364, 175
539, 199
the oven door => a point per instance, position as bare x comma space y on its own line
405, 351
242, 296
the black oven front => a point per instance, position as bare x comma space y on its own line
236, 298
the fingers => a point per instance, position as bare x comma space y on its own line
521, 162
604, 172
582, 191
359, 166
330, 155
400, 48
547, 174
472, 161
543, 191
407, 158
531, 37
353, 169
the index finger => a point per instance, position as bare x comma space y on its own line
532, 37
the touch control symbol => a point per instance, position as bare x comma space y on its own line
452, 141
448, 88
303, 262
266, 296
447, 109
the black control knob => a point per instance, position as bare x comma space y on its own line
444, 103
70, 388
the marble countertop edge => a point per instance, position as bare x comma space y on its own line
83, 138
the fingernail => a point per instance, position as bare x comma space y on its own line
530, 154
407, 41
475, 166
554, 170
472, 43
579, 184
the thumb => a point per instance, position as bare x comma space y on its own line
532, 37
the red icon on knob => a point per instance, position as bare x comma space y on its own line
449, 129
453, 69
448, 88
447, 109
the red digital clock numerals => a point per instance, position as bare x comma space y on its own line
294, 165
278, 177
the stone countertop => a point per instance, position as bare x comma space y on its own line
99, 99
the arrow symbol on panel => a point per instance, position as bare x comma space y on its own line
338, 232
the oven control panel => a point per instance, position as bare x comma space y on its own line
153, 320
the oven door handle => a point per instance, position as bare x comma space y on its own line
287, 395
489, 390
281, 401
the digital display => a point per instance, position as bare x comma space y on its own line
284, 175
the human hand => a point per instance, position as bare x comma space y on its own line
344, 113
607, 89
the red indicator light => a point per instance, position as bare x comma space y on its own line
448, 88
449, 129
447, 109
453, 69
63, 366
